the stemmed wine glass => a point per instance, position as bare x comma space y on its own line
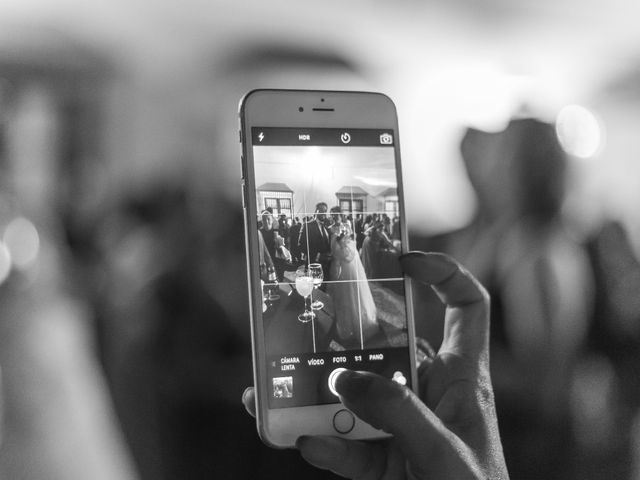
304, 286
272, 286
318, 276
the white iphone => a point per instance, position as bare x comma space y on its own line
324, 223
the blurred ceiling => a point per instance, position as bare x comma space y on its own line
584, 42
447, 64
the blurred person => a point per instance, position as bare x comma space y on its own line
488, 171
545, 284
541, 282
616, 327
609, 438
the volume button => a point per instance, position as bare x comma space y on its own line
243, 194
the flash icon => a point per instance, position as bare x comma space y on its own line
261, 136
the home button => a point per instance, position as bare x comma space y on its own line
343, 421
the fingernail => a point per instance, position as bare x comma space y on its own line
351, 384
431, 268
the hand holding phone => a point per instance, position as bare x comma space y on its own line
450, 431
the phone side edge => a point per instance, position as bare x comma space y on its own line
409, 302
251, 247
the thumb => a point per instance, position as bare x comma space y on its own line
391, 407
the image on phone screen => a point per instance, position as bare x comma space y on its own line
329, 240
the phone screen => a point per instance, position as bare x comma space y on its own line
333, 294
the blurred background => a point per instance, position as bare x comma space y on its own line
124, 333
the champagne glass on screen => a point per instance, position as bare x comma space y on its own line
317, 275
272, 287
304, 286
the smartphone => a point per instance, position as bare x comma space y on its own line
324, 224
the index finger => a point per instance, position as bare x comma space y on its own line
466, 329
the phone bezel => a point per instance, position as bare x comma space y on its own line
335, 109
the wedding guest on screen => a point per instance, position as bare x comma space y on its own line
315, 242
395, 229
294, 236
283, 229
358, 229
370, 249
273, 241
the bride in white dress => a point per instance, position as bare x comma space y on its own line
354, 305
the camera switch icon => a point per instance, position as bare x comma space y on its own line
386, 139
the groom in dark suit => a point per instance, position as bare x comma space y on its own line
315, 241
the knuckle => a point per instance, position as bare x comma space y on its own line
399, 396
396, 390
393, 396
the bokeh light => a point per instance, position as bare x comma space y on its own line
580, 132
22, 241
5, 262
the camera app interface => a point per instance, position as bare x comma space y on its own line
329, 239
